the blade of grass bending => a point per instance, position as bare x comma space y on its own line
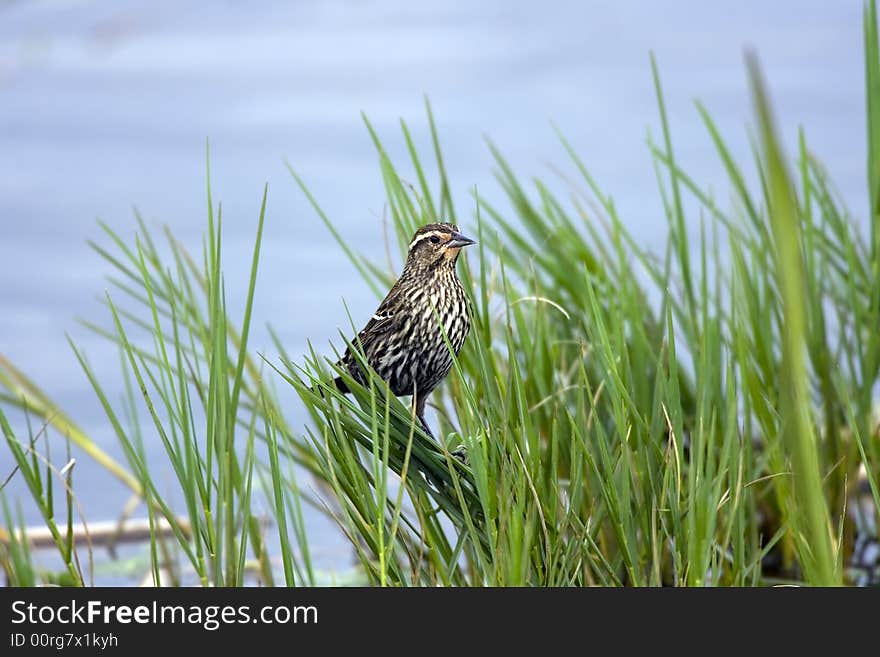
678, 218
352, 256
872, 96
445, 193
246, 322
817, 555
26, 395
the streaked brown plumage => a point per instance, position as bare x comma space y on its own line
403, 340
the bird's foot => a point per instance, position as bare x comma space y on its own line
426, 428
460, 453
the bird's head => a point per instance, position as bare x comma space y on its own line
436, 244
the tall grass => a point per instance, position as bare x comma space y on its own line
696, 415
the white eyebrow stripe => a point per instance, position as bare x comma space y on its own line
419, 238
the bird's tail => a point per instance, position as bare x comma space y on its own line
340, 385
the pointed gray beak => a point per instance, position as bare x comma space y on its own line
459, 240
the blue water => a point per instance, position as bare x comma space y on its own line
106, 106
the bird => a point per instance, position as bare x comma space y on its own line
403, 340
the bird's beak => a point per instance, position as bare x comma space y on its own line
458, 240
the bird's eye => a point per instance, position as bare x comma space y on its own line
434, 239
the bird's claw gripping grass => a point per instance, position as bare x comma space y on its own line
461, 454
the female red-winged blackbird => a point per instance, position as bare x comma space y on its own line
403, 341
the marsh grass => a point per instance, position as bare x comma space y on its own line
693, 416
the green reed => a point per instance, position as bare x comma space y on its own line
694, 414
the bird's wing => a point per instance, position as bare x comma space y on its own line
385, 319
382, 321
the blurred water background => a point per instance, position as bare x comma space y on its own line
107, 105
